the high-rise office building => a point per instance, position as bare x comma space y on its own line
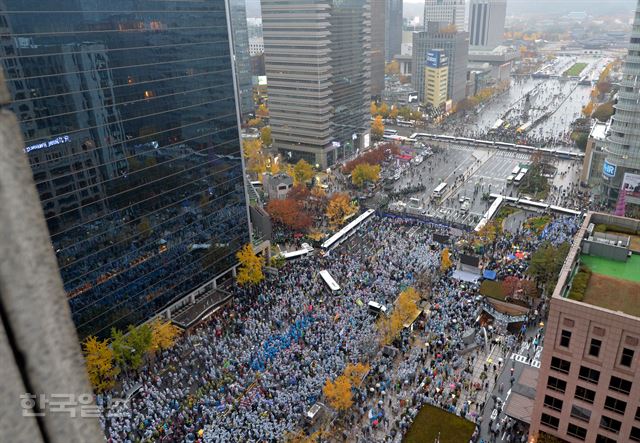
486, 22
589, 378
131, 127
622, 146
456, 47
393, 23
242, 55
378, 20
451, 12
436, 73
318, 63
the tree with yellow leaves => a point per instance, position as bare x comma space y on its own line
338, 208
250, 270
265, 136
406, 307
389, 327
392, 68
377, 128
164, 334
303, 171
373, 109
383, 110
356, 372
588, 110
100, 364
339, 393
394, 112
365, 172
254, 122
445, 262
262, 111
254, 159
488, 233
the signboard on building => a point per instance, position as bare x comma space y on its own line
366, 140
436, 59
631, 183
609, 169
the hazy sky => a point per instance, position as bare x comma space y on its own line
554, 6
518, 7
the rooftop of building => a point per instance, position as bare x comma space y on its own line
499, 53
599, 130
602, 268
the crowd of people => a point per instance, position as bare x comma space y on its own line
252, 371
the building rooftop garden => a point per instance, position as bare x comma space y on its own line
608, 283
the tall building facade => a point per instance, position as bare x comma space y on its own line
486, 22
455, 45
393, 24
130, 122
318, 65
242, 55
622, 147
589, 377
451, 12
436, 78
378, 20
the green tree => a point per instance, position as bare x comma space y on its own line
365, 172
265, 135
603, 112
546, 264
303, 171
250, 269
581, 139
130, 349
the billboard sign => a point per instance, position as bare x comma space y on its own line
436, 59
631, 183
609, 169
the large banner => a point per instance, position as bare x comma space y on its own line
631, 183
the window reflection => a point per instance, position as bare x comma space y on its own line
130, 125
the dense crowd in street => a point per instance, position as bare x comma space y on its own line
254, 369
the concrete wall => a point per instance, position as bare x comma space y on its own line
39, 349
604, 250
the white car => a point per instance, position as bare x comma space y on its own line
461, 199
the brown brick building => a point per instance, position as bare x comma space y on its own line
589, 383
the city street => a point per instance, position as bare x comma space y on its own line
470, 173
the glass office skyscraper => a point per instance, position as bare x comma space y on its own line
130, 123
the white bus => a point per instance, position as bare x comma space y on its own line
519, 178
390, 132
510, 178
331, 284
306, 249
439, 191
515, 171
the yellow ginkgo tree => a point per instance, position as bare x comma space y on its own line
250, 269
164, 334
100, 363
